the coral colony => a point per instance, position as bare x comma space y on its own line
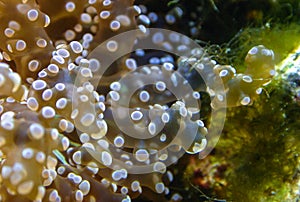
59, 137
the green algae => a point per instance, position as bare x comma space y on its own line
260, 147
266, 159
260, 143
282, 39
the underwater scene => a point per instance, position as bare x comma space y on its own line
150, 100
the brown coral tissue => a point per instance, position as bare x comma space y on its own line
59, 138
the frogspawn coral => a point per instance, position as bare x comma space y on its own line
59, 135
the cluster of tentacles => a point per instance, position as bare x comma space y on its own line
59, 138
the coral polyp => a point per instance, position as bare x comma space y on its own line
71, 130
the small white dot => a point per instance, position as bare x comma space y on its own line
119, 141
165, 117
144, 96
32, 104
160, 187
115, 86
245, 101
142, 155
86, 18
104, 15
20, 45
114, 95
48, 112
115, 25
131, 64
32, 15
223, 73
9, 32
152, 128
37, 131
61, 103
247, 79
27, 153
76, 47
112, 46
160, 86
39, 85
33, 65
136, 115
42, 43
106, 158
70, 6
47, 94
